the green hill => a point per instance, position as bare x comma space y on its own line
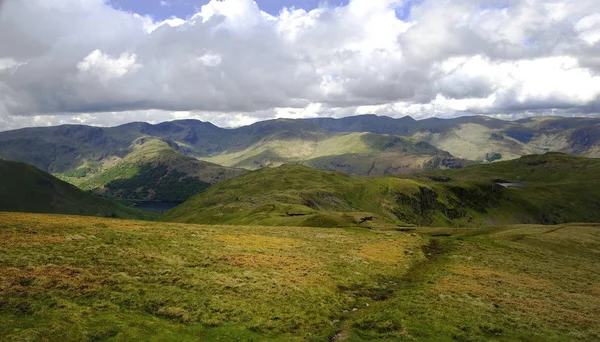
360, 145
152, 171
24, 188
559, 188
479, 137
352, 153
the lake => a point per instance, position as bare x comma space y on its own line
512, 185
157, 206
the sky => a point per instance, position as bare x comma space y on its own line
165, 9
235, 62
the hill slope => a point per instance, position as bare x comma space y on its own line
482, 137
152, 171
24, 188
352, 153
560, 188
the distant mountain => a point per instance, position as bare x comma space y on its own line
481, 137
359, 145
152, 171
368, 123
24, 188
353, 153
62, 148
556, 188
67, 150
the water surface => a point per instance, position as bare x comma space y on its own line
157, 206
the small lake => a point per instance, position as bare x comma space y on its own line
157, 206
512, 185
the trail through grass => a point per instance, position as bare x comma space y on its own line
90, 279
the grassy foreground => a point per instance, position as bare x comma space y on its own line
90, 279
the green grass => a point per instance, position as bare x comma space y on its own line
559, 189
80, 279
27, 189
515, 283
353, 153
77, 278
152, 171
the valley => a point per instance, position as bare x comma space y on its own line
24, 188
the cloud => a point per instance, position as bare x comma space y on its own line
231, 63
107, 68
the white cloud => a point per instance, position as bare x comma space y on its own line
8, 63
107, 68
232, 62
210, 59
589, 28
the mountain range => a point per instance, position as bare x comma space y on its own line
173, 160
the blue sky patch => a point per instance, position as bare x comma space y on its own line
164, 9
403, 12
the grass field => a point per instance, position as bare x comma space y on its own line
74, 278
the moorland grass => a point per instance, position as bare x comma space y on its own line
89, 279
79, 278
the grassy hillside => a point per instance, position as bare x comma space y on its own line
353, 153
285, 196
559, 188
25, 188
477, 142
152, 171
79, 279
479, 137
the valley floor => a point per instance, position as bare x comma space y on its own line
71, 278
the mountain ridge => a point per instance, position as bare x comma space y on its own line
580, 136
559, 188
344, 144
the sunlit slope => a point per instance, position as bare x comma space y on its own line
353, 153
152, 171
559, 188
287, 195
69, 147
25, 188
477, 142
285, 149
66, 278
481, 138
